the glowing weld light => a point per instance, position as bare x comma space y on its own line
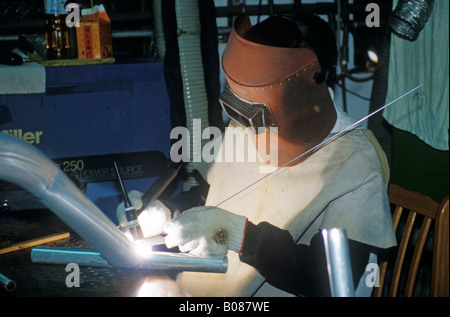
143, 248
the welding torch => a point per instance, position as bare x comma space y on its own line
130, 211
151, 194
160, 185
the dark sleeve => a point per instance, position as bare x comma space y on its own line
195, 196
298, 269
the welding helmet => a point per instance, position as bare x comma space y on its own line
273, 85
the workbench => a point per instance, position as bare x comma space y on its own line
49, 280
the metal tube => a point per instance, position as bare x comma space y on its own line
186, 262
24, 165
7, 283
57, 255
338, 262
158, 261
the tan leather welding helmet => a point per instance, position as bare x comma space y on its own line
273, 86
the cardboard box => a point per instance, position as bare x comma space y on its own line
94, 39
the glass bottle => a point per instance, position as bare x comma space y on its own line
57, 35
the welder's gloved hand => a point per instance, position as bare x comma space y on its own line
206, 231
151, 219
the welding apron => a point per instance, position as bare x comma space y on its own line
342, 185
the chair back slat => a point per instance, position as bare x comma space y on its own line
401, 254
417, 255
412, 210
440, 265
422, 204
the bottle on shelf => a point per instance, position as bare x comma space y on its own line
57, 33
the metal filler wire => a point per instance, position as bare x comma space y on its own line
322, 144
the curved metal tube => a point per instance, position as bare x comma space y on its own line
159, 261
24, 165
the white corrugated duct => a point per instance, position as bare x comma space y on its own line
192, 72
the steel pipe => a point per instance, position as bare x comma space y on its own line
8, 284
158, 261
24, 165
338, 262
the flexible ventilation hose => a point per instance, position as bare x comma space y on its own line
409, 17
192, 72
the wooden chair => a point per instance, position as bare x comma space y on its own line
416, 207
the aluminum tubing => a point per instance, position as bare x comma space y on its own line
24, 165
6, 283
56, 255
158, 261
166, 261
338, 262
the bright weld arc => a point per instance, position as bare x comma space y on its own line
143, 248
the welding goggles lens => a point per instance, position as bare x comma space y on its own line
249, 114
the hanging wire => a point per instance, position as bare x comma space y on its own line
353, 93
343, 53
343, 56
259, 10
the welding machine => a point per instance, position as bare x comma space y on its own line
89, 117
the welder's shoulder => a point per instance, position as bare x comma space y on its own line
363, 141
368, 148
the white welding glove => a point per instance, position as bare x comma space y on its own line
206, 231
151, 219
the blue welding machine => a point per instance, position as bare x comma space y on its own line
88, 118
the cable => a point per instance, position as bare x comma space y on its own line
353, 93
343, 64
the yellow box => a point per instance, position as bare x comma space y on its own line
94, 39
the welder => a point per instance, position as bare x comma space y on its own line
278, 76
